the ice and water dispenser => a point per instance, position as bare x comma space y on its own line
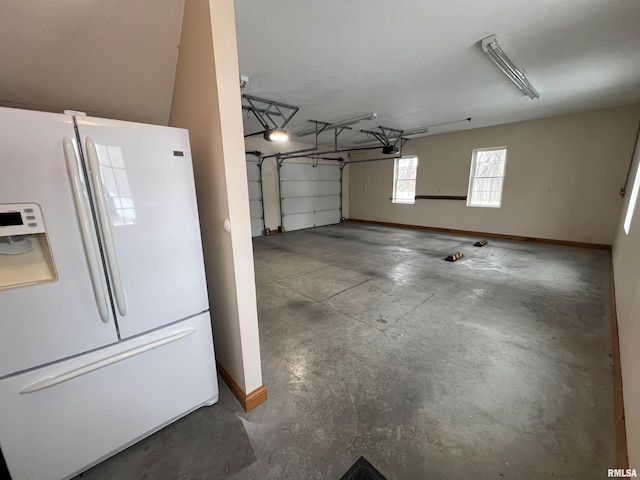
25, 255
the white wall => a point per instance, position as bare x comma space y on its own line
626, 267
270, 183
206, 100
107, 59
562, 178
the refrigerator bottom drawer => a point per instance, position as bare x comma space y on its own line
61, 419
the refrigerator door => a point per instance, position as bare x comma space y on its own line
142, 181
58, 420
45, 322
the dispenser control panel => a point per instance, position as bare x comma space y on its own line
20, 219
25, 253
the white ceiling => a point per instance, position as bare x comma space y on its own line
414, 62
109, 58
418, 63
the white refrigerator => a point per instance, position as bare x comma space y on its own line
105, 334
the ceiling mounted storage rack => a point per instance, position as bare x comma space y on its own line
338, 127
319, 127
406, 134
273, 116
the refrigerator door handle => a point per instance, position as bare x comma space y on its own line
80, 198
105, 362
105, 224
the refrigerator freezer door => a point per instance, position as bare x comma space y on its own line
61, 419
46, 322
146, 178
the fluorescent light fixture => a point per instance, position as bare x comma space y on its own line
405, 134
341, 123
491, 46
276, 135
415, 131
632, 202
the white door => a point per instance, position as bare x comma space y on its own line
255, 198
145, 196
311, 195
46, 322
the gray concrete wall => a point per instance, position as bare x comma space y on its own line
562, 178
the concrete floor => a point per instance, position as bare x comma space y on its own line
495, 366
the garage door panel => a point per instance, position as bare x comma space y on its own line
255, 209
326, 188
295, 171
298, 205
309, 188
254, 191
299, 221
328, 217
309, 204
253, 172
255, 198
296, 189
311, 196
256, 227
327, 172
326, 203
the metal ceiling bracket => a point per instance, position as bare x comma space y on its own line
338, 124
321, 127
270, 114
337, 131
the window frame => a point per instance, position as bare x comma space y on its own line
396, 163
472, 176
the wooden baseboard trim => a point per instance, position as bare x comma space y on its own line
255, 398
248, 401
622, 455
567, 243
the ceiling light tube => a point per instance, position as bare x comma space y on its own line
491, 46
415, 131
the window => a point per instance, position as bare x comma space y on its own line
405, 171
487, 174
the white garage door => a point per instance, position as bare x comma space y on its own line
310, 195
255, 198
